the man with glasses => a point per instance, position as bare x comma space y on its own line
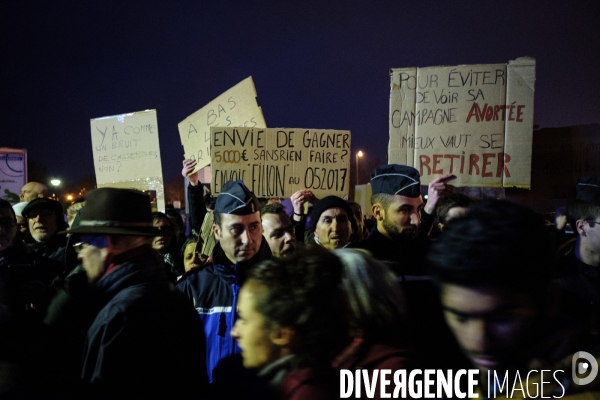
580, 268
136, 336
45, 218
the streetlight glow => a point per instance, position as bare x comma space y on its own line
358, 154
55, 183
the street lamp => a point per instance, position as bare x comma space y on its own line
55, 183
358, 154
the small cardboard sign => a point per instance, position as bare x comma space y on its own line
472, 121
277, 162
127, 153
235, 107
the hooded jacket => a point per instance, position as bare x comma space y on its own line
214, 291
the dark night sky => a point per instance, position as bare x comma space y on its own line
315, 64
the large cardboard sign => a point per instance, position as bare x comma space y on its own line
235, 107
473, 121
127, 153
13, 173
276, 162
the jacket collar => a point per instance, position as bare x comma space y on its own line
224, 265
143, 266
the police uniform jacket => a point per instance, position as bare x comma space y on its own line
214, 291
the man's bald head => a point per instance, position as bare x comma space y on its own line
33, 190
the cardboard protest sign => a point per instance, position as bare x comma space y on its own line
276, 162
127, 153
235, 107
473, 121
13, 173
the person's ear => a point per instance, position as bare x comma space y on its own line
217, 231
282, 336
315, 234
441, 226
580, 227
378, 212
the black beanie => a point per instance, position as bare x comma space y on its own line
330, 202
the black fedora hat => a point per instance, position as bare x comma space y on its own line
111, 211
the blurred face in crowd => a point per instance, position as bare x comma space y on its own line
42, 224
175, 223
560, 220
97, 251
191, 256
31, 191
279, 232
492, 327
401, 218
93, 251
8, 228
240, 236
251, 330
162, 243
22, 226
358, 216
454, 212
333, 228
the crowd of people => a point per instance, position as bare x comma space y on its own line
244, 299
